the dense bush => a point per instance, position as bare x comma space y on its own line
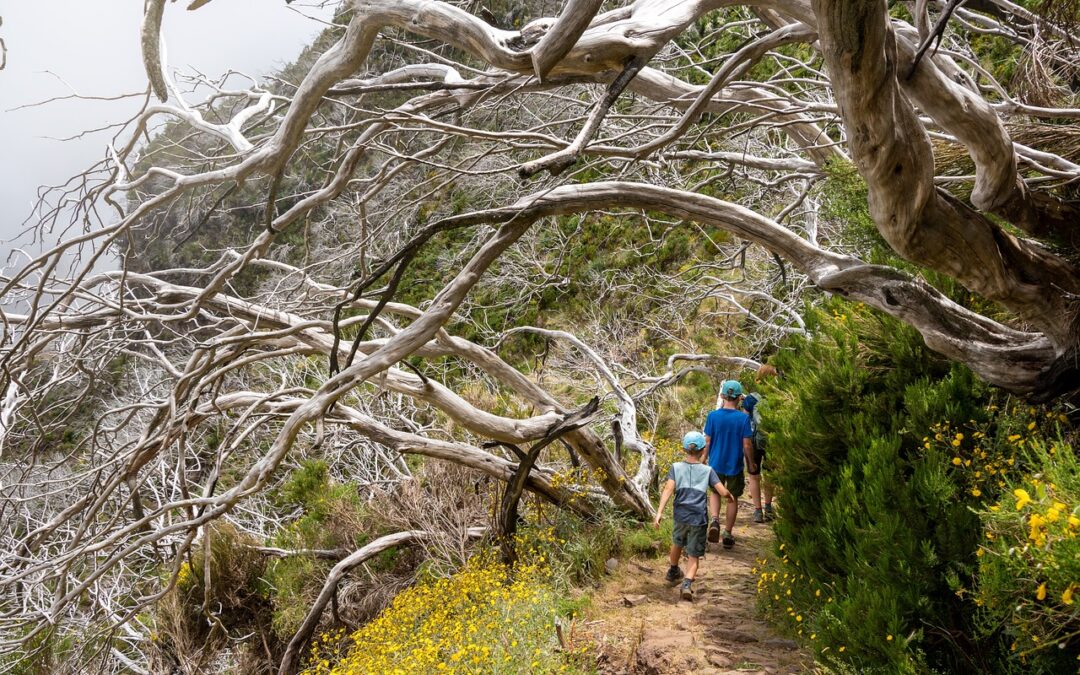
885, 456
330, 517
1029, 560
873, 525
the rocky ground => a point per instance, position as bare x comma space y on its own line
641, 625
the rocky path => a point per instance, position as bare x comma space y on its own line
642, 626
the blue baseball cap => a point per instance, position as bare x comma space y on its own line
693, 441
731, 389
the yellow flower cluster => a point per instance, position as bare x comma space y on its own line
1033, 533
576, 479
484, 619
983, 464
183, 575
1045, 515
668, 451
776, 579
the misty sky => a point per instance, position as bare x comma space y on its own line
92, 47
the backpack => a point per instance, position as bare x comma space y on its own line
751, 403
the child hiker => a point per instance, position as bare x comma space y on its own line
690, 481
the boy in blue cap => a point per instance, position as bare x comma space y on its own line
727, 433
690, 481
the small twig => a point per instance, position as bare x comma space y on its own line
935, 35
557, 162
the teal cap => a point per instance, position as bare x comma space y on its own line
731, 389
693, 441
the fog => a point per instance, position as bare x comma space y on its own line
56, 48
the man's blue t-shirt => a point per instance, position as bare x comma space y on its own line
692, 483
726, 430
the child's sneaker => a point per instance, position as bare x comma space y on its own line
687, 591
673, 574
713, 535
769, 513
759, 516
729, 541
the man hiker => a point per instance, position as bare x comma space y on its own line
692, 483
758, 485
727, 433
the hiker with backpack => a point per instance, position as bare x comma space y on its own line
758, 486
697, 490
727, 435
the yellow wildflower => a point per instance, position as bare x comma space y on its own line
1040, 594
1022, 498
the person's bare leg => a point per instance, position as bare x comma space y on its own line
755, 490
674, 555
729, 517
714, 505
768, 491
691, 567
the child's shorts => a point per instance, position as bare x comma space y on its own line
690, 537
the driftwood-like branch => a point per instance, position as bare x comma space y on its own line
1005, 356
153, 12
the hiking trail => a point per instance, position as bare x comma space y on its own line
641, 626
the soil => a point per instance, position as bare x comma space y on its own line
640, 624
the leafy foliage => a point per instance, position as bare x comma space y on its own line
886, 458
1029, 561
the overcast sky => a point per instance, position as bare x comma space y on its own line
55, 47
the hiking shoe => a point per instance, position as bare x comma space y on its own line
673, 574
758, 516
713, 535
729, 540
769, 513
687, 591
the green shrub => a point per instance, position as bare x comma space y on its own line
1029, 561
900, 547
874, 524
332, 517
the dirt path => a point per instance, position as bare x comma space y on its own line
642, 626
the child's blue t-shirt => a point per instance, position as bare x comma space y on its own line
726, 429
692, 485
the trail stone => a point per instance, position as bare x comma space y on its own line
732, 635
634, 600
717, 659
780, 643
665, 651
611, 565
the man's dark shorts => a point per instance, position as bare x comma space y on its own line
691, 538
736, 484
